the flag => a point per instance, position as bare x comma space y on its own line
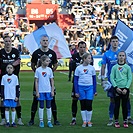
125, 35
57, 41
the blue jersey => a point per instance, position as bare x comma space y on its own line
110, 59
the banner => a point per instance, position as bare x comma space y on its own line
57, 41
125, 35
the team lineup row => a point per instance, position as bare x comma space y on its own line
44, 63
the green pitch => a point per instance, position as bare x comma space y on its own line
63, 100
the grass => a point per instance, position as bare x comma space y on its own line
63, 100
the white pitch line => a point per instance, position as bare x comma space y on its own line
64, 73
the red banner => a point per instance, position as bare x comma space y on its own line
42, 11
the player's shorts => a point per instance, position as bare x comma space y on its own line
45, 96
86, 92
110, 92
10, 103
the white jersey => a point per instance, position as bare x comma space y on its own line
44, 75
85, 74
9, 82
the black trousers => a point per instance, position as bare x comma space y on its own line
120, 98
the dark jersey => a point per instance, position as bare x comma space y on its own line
50, 53
76, 59
6, 58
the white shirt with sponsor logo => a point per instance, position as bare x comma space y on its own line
85, 74
44, 75
10, 82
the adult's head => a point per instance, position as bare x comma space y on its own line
82, 47
44, 41
7, 42
114, 41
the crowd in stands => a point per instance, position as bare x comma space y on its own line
93, 22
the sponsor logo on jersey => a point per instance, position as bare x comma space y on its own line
120, 69
85, 71
9, 80
44, 74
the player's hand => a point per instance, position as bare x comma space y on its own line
119, 90
16, 99
17, 62
124, 91
76, 94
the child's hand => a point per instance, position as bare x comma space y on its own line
76, 94
119, 90
124, 91
16, 99
52, 93
37, 95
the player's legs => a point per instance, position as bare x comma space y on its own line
89, 112
49, 113
13, 115
18, 111
74, 110
2, 108
54, 111
83, 112
110, 94
33, 110
130, 121
41, 113
7, 117
70, 71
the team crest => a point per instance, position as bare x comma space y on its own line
120, 69
44, 74
13, 55
50, 55
9, 80
85, 71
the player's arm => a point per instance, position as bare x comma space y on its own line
2, 92
52, 86
33, 66
94, 85
103, 71
36, 86
76, 85
55, 66
17, 92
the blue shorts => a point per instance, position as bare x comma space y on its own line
45, 96
10, 103
86, 92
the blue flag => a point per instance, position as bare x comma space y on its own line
125, 35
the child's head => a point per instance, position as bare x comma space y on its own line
122, 57
86, 58
45, 60
9, 68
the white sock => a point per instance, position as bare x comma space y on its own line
13, 116
49, 113
88, 115
41, 114
83, 114
7, 116
74, 118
